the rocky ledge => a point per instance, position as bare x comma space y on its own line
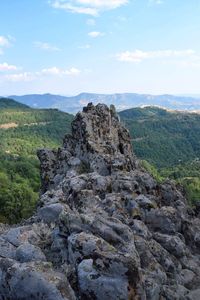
104, 228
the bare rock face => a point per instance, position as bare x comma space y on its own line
104, 228
99, 143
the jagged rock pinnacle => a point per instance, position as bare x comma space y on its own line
104, 229
98, 140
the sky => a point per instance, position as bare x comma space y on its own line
102, 46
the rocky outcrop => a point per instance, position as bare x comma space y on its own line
104, 228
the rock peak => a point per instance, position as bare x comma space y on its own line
104, 228
98, 143
99, 139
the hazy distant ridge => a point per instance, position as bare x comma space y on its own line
122, 101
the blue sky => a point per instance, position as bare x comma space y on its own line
103, 46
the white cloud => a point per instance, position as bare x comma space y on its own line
89, 7
72, 71
53, 71
75, 9
95, 34
138, 56
46, 46
5, 42
59, 72
26, 76
6, 67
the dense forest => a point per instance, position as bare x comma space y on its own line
22, 131
164, 138
167, 142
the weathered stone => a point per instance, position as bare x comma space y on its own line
139, 228
50, 213
48, 167
133, 209
170, 195
58, 253
165, 220
100, 184
186, 278
162, 257
191, 262
105, 140
175, 292
27, 252
152, 289
95, 285
83, 245
191, 232
145, 202
171, 243
146, 257
33, 281
74, 184
105, 224
7, 250
52, 197
193, 295
19, 235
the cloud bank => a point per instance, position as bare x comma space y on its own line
4, 67
53, 71
138, 56
88, 7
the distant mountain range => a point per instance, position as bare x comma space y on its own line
121, 101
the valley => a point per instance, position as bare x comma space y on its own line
167, 143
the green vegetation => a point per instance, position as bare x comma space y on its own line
9, 103
162, 137
22, 131
188, 175
168, 142
19, 186
152, 170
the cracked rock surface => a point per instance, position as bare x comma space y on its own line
104, 228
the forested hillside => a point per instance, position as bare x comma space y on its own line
10, 103
169, 144
164, 138
22, 131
